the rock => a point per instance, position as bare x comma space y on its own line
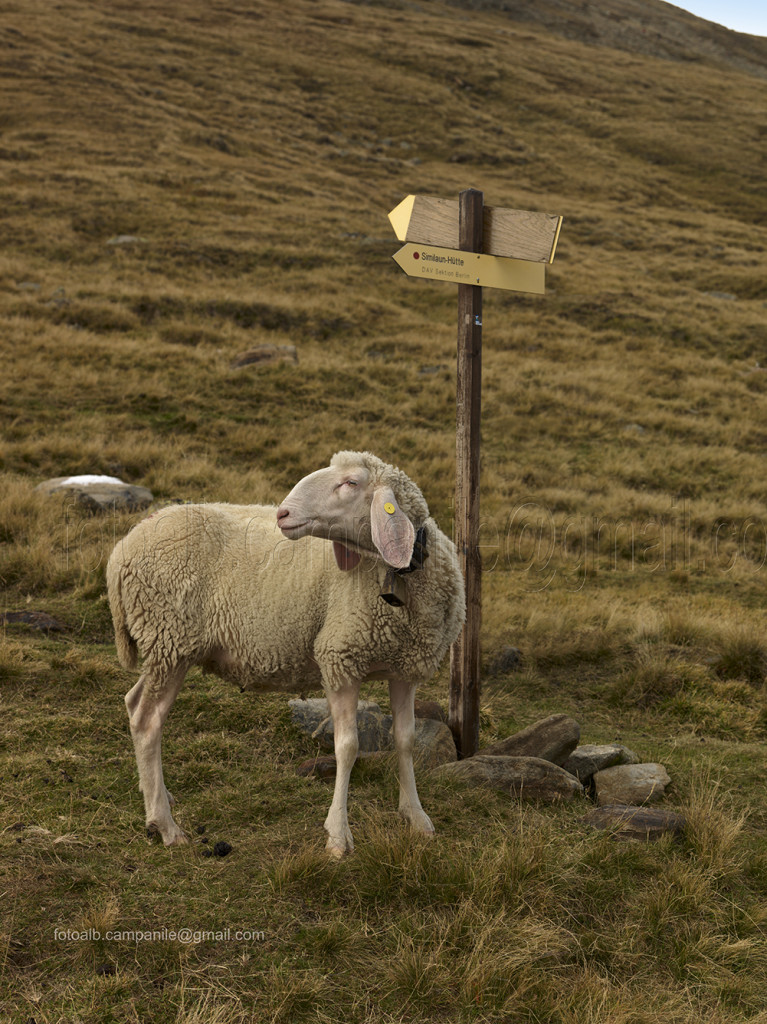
372, 728
84, 479
125, 240
265, 355
589, 758
100, 493
372, 731
434, 743
631, 784
307, 713
507, 660
37, 620
320, 767
644, 823
433, 739
430, 709
527, 778
552, 739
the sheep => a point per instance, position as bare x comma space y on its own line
251, 593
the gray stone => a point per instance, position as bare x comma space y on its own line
125, 240
307, 713
372, 729
590, 758
643, 823
434, 743
526, 778
99, 493
434, 746
552, 739
430, 709
507, 660
35, 620
631, 784
265, 355
313, 717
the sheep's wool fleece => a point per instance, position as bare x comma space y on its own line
219, 586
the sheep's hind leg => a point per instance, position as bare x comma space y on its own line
343, 708
148, 704
402, 698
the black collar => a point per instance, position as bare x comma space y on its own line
420, 552
394, 587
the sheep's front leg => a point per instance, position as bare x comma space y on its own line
402, 698
343, 708
148, 704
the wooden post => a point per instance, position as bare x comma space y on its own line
465, 652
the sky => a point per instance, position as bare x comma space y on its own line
742, 15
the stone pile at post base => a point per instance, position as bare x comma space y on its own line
543, 763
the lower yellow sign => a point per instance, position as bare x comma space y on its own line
471, 268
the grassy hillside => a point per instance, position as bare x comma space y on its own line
654, 28
183, 182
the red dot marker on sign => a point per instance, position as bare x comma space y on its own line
416, 255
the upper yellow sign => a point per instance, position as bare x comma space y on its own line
520, 234
471, 268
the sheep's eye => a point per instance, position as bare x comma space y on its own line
346, 483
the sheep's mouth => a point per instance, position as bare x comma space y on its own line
292, 527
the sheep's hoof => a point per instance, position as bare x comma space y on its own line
178, 838
153, 832
339, 835
419, 821
337, 850
172, 836
339, 845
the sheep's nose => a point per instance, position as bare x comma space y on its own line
282, 513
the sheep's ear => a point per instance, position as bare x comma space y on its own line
393, 533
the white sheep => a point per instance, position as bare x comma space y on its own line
251, 593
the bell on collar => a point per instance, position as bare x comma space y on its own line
394, 589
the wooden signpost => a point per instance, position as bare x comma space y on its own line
472, 245
471, 268
520, 234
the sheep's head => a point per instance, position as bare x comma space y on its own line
362, 505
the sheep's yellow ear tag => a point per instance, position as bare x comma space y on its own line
388, 507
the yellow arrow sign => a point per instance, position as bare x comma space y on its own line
521, 234
471, 268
